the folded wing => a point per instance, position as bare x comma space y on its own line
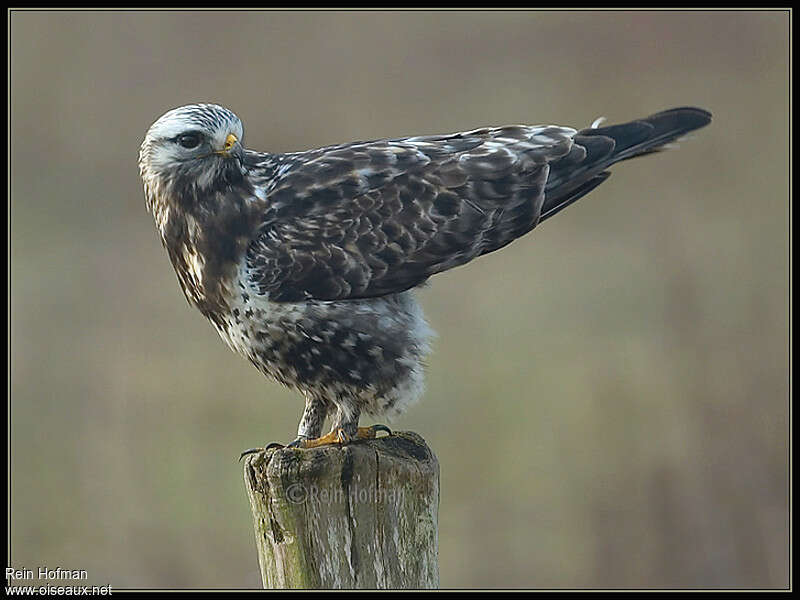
374, 218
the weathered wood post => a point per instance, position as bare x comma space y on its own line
360, 516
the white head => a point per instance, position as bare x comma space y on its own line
192, 145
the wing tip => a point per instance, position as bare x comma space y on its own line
691, 117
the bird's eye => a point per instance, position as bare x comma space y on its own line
190, 140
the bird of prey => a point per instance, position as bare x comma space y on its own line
306, 262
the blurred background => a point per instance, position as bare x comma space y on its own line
608, 397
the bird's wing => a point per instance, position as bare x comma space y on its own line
369, 219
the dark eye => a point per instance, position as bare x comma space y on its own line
190, 140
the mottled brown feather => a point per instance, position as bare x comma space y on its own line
373, 218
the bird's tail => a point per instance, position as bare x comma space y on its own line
597, 148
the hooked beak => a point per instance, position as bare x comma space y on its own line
232, 146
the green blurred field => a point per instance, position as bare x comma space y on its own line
609, 395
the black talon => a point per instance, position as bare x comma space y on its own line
270, 446
378, 428
250, 451
297, 443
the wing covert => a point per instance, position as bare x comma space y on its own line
374, 218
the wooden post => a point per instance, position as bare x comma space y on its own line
361, 516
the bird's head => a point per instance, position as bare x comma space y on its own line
191, 151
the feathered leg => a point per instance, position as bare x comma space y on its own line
345, 429
314, 415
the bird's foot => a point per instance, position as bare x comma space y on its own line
298, 443
336, 437
340, 437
